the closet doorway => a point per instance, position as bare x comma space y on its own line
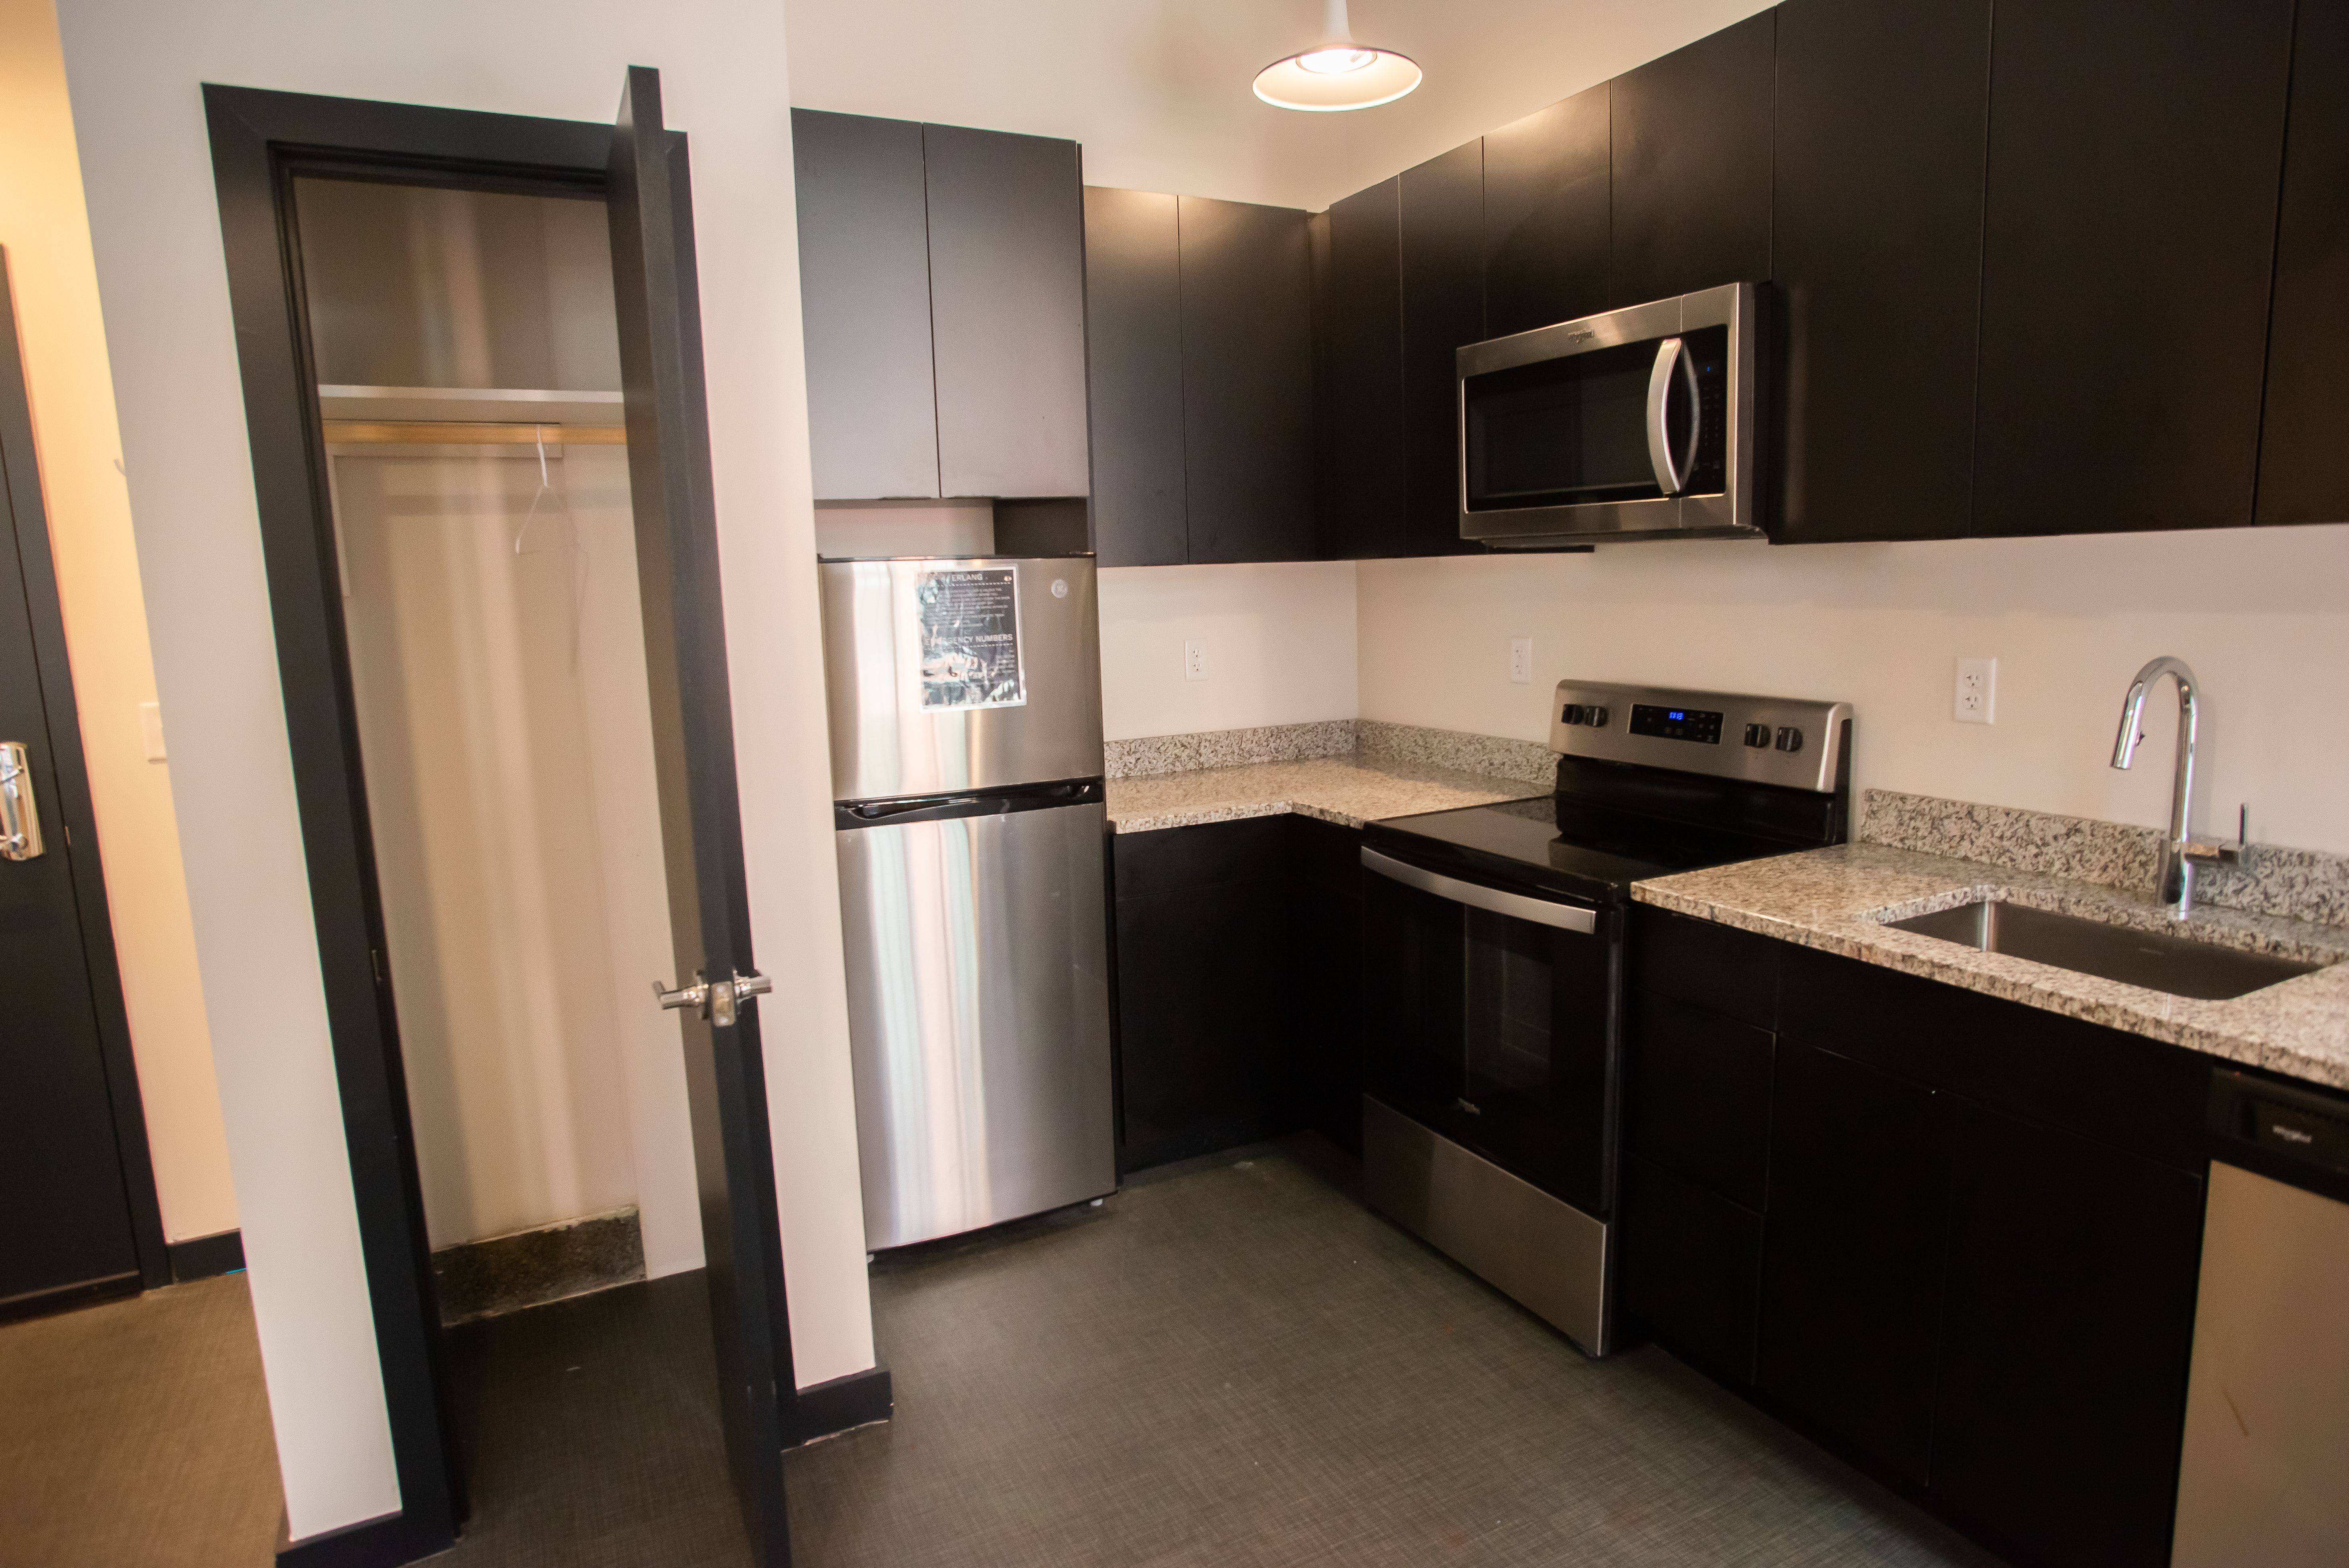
470, 350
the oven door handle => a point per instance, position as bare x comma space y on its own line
1672, 355
1515, 905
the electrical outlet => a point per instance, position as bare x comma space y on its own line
1975, 700
1521, 659
1194, 660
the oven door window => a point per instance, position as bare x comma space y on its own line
1494, 1032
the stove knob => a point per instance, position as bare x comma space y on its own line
1594, 717
1790, 740
1757, 735
1573, 713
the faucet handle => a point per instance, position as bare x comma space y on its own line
2236, 855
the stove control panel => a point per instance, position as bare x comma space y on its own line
1770, 740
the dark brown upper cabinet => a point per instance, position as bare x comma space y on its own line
1877, 241
1133, 315
1007, 311
942, 288
2305, 447
1203, 379
2129, 238
1691, 196
1547, 223
865, 297
1441, 231
1362, 418
1247, 381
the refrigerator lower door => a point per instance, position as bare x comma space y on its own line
978, 1014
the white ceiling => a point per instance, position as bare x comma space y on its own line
1157, 90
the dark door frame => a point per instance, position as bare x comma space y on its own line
260, 141
20, 468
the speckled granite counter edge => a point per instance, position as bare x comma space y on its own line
2298, 884
1492, 756
2299, 1027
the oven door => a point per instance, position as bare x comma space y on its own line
1491, 1023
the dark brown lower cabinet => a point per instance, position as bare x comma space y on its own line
1851, 1273
1237, 956
1692, 1269
2066, 1325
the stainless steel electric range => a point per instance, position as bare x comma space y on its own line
1495, 960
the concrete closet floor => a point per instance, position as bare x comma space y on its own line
1230, 1363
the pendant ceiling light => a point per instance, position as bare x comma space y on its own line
1338, 73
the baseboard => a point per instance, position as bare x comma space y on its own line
68, 1297
386, 1541
204, 1257
530, 1268
826, 1410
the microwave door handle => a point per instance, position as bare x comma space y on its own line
1669, 356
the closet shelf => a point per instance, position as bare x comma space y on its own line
512, 408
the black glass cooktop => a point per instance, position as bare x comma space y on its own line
1565, 845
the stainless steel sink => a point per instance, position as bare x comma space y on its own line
2157, 962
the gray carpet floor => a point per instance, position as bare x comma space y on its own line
1231, 1363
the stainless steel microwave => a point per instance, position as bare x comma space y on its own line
1637, 423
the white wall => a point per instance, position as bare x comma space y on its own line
135, 67
1158, 90
62, 339
2262, 615
1279, 643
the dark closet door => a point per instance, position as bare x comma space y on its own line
865, 296
1007, 311
658, 298
67, 1230
2305, 447
2066, 1332
2128, 237
1133, 348
1851, 1274
1877, 244
1443, 251
1547, 225
1692, 167
1247, 381
1362, 419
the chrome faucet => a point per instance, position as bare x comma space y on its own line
2179, 852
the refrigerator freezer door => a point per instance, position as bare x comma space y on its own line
979, 1017
947, 674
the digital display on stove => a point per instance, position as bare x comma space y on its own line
1676, 724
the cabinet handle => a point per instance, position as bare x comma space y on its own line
20, 814
1672, 355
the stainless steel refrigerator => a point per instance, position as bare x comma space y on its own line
964, 702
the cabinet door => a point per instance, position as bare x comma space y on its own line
1206, 959
1852, 1269
1877, 241
2305, 448
2128, 237
1443, 256
1363, 419
2066, 1334
865, 304
1545, 216
1328, 1003
1692, 167
1133, 350
1247, 381
1007, 311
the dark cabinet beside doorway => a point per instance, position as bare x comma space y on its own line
1362, 415
1692, 167
1440, 235
1546, 226
941, 286
2304, 445
1202, 363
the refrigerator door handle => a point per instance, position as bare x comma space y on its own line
882, 810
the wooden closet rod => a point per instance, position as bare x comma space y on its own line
415, 433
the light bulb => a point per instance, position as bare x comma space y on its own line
1336, 61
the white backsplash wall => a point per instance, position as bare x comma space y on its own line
1279, 644
2261, 614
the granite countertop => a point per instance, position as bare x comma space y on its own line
1836, 900
1349, 791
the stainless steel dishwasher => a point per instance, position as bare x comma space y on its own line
2264, 1477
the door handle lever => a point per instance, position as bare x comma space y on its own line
715, 1000
20, 814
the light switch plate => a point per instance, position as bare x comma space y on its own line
1521, 660
1975, 699
150, 730
1194, 660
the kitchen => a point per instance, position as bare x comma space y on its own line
1982, 336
